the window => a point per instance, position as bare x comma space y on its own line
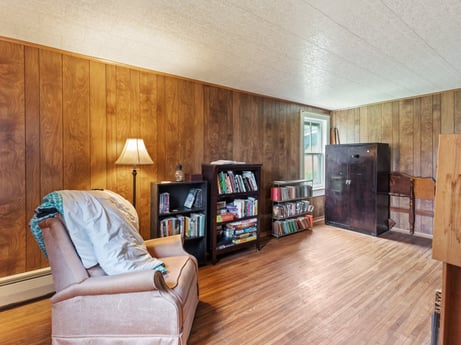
314, 136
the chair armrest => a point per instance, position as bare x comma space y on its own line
138, 281
166, 246
66, 266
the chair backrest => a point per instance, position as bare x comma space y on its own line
400, 184
424, 188
66, 266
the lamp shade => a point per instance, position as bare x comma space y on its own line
134, 153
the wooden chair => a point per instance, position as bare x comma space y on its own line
404, 185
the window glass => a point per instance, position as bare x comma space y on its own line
314, 138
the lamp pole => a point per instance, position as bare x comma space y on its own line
134, 172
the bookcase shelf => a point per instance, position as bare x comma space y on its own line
233, 207
170, 216
291, 207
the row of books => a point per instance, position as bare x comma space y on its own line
230, 182
291, 192
164, 203
238, 208
194, 199
290, 209
187, 226
237, 232
285, 227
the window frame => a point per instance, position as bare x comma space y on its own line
324, 121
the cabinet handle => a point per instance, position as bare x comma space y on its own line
356, 156
348, 182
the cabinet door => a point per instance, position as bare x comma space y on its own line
337, 185
362, 187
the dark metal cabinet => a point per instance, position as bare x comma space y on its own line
357, 186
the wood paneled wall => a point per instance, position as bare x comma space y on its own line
64, 119
411, 127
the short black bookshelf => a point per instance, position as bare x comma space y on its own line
233, 209
181, 208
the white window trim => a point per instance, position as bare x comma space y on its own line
318, 190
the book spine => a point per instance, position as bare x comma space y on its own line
275, 193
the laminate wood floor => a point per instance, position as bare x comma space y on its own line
329, 286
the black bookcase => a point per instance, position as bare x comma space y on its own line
225, 181
163, 215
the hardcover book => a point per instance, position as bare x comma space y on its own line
190, 198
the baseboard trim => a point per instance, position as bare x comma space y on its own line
406, 231
23, 287
319, 220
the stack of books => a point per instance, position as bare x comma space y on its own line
242, 231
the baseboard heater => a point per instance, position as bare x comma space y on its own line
23, 287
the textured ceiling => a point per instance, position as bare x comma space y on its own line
329, 53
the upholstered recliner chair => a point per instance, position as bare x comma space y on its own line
139, 307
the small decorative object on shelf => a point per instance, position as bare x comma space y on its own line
179, 174
291, 207
180, 208
233, 207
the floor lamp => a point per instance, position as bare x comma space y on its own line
134, 153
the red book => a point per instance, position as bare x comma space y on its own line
275, 193
224, 217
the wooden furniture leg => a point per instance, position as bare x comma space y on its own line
450, 323
411, 214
